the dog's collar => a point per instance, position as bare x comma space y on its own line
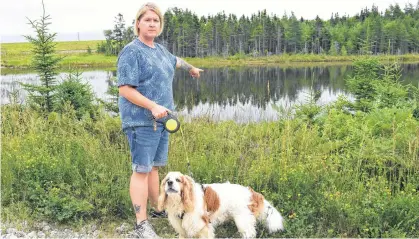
180, 216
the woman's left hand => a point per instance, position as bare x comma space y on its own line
195, 72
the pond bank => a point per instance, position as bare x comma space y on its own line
84, 60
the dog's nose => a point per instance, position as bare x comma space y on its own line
170, 183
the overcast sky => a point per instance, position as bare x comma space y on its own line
72, 16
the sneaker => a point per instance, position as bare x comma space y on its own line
145, 230
156, 214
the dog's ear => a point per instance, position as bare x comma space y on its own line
256, 202
187, 193
162, 196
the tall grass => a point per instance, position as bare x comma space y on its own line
339, 175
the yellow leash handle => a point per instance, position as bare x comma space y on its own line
172, 124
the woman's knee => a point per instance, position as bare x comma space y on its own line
139, 176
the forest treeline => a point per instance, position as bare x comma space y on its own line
372, 31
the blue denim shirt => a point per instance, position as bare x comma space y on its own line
150, 71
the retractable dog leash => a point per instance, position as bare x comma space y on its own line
187, 157
170, 123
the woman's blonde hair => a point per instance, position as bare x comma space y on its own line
148, 6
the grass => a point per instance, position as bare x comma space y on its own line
330, 171
341, 175
26, 47
18, 55
74, 53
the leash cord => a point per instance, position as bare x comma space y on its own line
186, 152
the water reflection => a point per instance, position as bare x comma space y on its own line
244, 94
99, 81
257, 86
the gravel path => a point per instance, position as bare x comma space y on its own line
47, 230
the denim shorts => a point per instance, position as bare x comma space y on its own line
148, 147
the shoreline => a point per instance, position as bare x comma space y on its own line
293, 61
17, 56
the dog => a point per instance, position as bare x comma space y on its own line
194, 209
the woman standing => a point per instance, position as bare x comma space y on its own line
145, 76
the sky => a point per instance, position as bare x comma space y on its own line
86, 19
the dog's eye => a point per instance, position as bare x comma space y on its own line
178, 180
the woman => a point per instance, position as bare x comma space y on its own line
145, 76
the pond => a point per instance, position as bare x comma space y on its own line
243, 94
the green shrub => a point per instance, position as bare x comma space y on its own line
78, 94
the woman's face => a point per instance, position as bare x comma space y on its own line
149, 25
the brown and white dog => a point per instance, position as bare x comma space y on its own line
194, 210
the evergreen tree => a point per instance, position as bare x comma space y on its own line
369, 32
76, 93
117, 38
118, 32
343, 51
45, 63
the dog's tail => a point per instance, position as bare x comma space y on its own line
271, 218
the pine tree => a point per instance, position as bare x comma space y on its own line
119, 32
45, 63
369, 32
343, 51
